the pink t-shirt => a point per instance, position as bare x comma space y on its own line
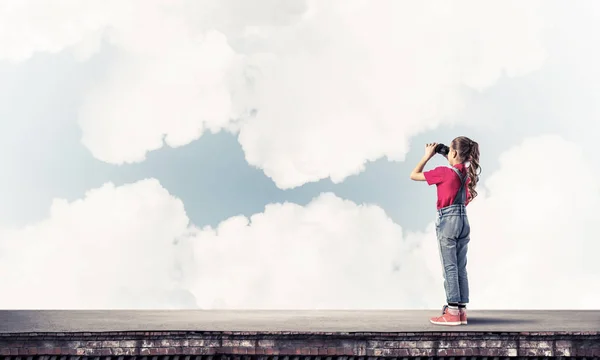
447, 182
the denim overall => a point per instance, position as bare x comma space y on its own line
453, 234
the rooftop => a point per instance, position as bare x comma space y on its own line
311, 321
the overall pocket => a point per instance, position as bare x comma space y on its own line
450, 226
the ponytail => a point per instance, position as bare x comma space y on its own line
474, 170
468, 151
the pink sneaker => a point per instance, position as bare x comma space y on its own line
463, 316
449, 317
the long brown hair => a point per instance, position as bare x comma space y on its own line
468, 150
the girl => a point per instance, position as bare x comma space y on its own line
455, 189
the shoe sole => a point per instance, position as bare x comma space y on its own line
449, 323
463, 323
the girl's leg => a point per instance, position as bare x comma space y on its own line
463, 281
447, 229
448, 256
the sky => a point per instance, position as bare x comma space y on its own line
219, 155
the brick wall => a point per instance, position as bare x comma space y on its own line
299, 346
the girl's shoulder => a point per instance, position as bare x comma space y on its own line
442, 169
438, 174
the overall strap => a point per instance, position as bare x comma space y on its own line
461, 196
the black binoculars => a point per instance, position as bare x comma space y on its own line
442, 149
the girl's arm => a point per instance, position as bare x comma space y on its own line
417, 173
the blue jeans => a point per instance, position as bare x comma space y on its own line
453, 234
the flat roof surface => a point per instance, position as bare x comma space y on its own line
18, 321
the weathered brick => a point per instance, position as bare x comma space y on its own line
239, 350
407, 344
462, 343
166, 343
544, 345
127, 343
489, 352
493, 343
203, 343
583, 352
73, 344
372, 344
479, 343
150, 343
391, 344
394, 352
204, 351
564, 343
266, 343
451, 352
155, 351
421, 352
101, 352
118, 351
461, 352
425, 344
444, 344
535, 352
563, 351
341, 351
297, 346
212, 343
66, 351
230, 343
110, 344
535, 344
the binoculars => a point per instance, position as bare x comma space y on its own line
442, 149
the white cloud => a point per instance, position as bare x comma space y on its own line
115, 249
334, 86
534, 232
28, 27
533, 247
175, 93
330, 254
351, 84
112, 249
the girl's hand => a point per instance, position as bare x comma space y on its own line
430, 150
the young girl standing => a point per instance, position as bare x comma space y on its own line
455, 189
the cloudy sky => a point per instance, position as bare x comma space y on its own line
234, 154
